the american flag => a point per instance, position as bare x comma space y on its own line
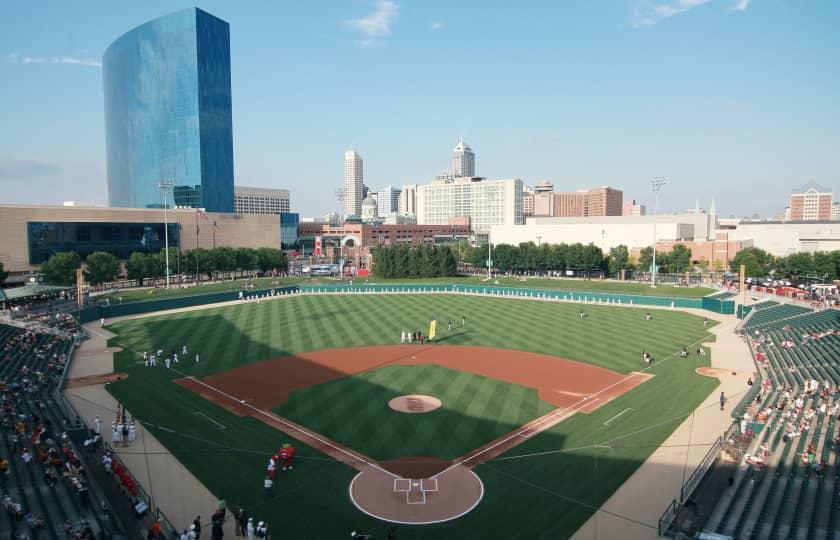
201, 214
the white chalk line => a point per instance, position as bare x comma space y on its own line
221, 426
280, 419
584, 401
616, 416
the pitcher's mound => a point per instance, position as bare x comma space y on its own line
415, 403
416, 501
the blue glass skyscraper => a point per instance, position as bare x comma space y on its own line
168, 113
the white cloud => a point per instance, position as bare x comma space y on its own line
740, 5
648, 13
376, 24
17, 58
436, 25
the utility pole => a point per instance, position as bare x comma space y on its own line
165, 187
655, 185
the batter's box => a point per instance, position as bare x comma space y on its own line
429, 485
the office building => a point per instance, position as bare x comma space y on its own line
544, 198
33, 233
528, 202
252, 200
388, 200
168, 113
835, 212
631, 208
811, 202
570, 204
600, 201
485, 202
289, 227
463, 160
354, 181
407, 203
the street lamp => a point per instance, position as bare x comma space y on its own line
656, 184
165, 186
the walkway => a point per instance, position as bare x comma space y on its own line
646, 494
173, 488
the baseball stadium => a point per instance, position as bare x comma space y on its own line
437, 410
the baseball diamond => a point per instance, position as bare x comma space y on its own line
520, 445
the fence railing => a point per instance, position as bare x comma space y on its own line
687, 489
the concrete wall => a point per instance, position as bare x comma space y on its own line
784, 238
234, 230
603, 235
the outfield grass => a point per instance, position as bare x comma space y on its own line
605, 286
475, 410
546, 496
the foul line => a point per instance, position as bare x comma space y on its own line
616, 416
280, 419
582, 402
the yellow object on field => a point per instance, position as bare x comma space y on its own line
432, 329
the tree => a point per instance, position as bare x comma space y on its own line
224, 259
646, 259
757, 261
141, 266
60, 269
679, 260
3, 274
101, 266
246, 259
619, 260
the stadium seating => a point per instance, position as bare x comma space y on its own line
788, 497
52, 491
774, 315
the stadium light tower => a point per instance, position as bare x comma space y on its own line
656, 184
165, 186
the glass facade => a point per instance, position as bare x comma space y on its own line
46, 238
289, 235
168, 113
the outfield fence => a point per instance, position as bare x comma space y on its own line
714, 305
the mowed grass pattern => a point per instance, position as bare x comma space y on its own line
546, 495
611, 337
354, 411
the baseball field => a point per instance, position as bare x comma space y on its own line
550, 412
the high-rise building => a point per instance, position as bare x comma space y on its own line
811, 202
528, 201
168, 113
407, 203
463, 160
604, 201
544, 198
485, 202
600, 201
388, 200
252, 200
570, 204
354, 180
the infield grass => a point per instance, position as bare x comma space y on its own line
548, 495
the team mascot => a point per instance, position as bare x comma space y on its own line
287, 453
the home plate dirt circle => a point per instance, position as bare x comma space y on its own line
416, 500
415, 403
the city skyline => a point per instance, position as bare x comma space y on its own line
581, 95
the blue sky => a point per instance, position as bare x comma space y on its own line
732, 99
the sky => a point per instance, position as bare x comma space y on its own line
735, 100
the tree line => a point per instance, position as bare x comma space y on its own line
101, 266
414, 262
824, 265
